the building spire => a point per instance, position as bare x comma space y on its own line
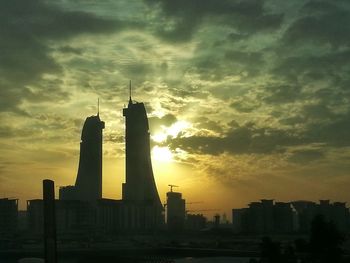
130, 100
98, 106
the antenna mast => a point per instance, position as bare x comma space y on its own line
130, 101
98, 106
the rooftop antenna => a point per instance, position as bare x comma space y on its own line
130, 101
98, 106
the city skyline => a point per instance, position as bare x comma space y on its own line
246, 99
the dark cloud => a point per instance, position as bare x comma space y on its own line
312, 67
321, 126
239, 140
331, 26
206, 123
319, 7
186, 16
283, 93
70, 50
222, 60
306, 156
334, 132
155, 123
25, 28
317, 112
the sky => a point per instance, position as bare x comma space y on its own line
246, 99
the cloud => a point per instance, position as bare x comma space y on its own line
283, 93
26, 28
325, 23
309, 67
238, 140
155, 123
183, 18
334, 132
306, 156
70, 50
208, 124
113, 137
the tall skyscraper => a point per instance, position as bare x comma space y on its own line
89, 179
140, 186
88, 185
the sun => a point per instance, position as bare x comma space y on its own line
162, 154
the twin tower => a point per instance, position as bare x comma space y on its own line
139, 188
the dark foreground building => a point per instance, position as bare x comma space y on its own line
140, 187
86, 218
8, 216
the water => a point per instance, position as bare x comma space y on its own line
212, 260
180, 260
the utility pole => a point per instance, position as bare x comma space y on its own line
49, 221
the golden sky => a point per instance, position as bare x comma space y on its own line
246, 99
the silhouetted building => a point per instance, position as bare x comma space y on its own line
176, 211
77, 217
67, 193
216, 221
35, 216
139, 210
258, 218
265, 217
88, 185
284, 218
140, 186
195, 222
337, 212
8, 216
239, 220
22, 220
306, 211
255, 218
340, 216
89, 179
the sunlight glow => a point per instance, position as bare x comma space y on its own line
162, 154
159, 137
172, 131
177, 127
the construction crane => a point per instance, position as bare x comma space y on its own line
190, 203
165, 205
202, 210
171, 186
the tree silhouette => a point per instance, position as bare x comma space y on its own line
270, 251
325, 240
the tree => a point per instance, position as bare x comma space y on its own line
325, 240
